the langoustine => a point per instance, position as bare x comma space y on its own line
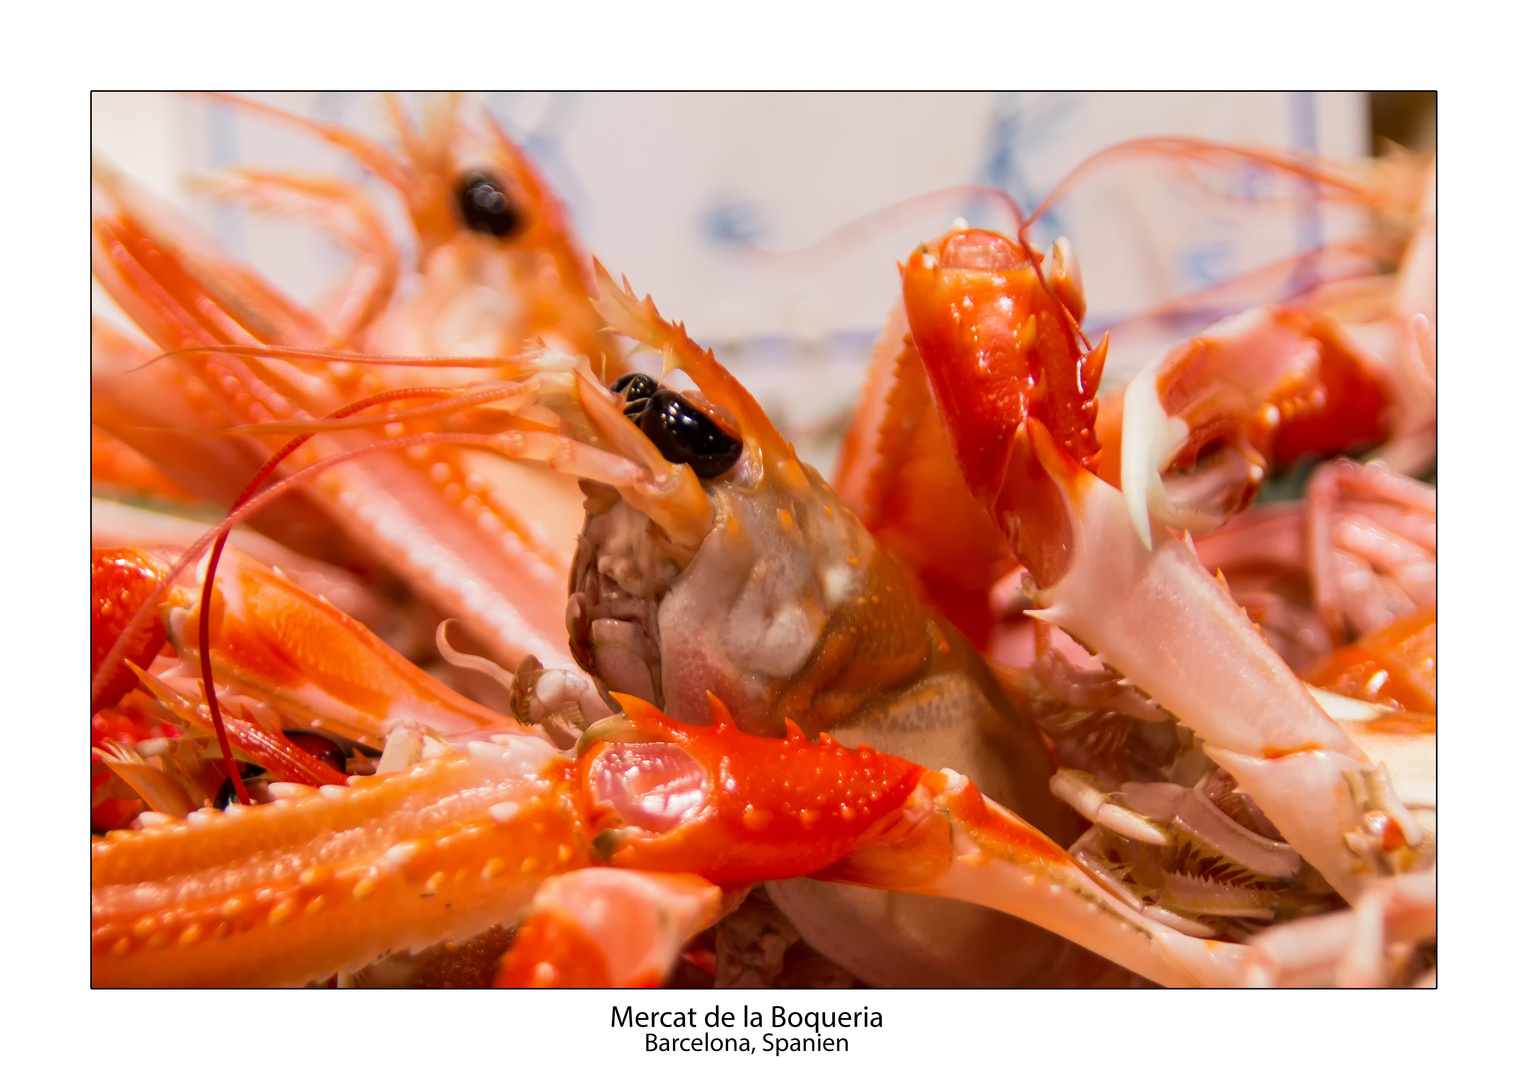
980, 309
431, 519
1193, 651
765, 650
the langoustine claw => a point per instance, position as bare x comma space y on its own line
327, 879
1151, 613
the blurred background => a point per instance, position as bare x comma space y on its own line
745, 215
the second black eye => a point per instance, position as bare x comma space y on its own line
685, 435
484, 208
636, 388
253, 776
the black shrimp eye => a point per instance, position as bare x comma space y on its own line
636, 388
484, 207
226, 796
685, 435
322, 747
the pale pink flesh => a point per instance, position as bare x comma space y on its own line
653, 786
1364, 518
1158, 617
1347, 948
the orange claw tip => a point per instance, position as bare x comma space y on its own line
997, 832
1000, 347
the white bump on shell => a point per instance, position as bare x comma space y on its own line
504, 812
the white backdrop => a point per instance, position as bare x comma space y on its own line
680, 192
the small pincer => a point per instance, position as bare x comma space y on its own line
561, 703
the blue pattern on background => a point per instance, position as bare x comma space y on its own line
222, 151
1019, 128
732, 221
1308, 220
543, 142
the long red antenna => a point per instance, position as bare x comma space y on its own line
204, 622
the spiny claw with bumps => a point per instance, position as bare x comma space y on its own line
731, 806
327, 879
734, 807
1017, 402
